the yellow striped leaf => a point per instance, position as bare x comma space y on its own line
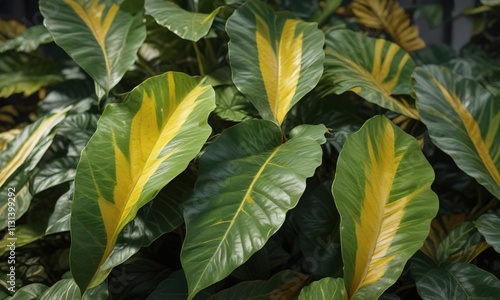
275, 60
463, 120
382, 192
20, 157
112, 33
150, 138
391, 17
376, 69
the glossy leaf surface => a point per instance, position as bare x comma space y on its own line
150, 139
248, 180
275, 60
463, 120
375, 69
382, 192
101, 36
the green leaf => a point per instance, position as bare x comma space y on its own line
247, 182
55, 172
489, 226
29, 41
175, 288
30, 292
375, 69
452, 280
59, 219
382, 192
232, 105
284, 285
275, 60
435, 54
462, 244
490, 2
139, 147
20, 157
26, 73
111, 33
324, 289
187, 25
463, 120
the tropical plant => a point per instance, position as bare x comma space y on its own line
247, 150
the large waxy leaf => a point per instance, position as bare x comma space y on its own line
440, 228
187, 25
150, 139
463, 119
489, 226
375, 69
382, 191
100, 35
391, 17
284, 285
452, 280
275, 60
324, 289
247, 182
29, 41
20, 157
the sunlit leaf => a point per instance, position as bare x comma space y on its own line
275, 60
187, 25
139, 146
391, 17
375, 69
324, 289
382, 192
101, 36
248, 180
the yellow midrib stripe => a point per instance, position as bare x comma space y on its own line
409, 111
472, 129
21, 154
240, 208
98, 30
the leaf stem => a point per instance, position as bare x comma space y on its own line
199, 59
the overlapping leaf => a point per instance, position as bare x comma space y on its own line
489, 226
187, 25
375, 69
275, 60
462, 244
20, 157
150, 139
389, 16
100, 35
247, 182
452, 280
382, 191
463, 120
324, 289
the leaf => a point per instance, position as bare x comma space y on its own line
159, 216
232, 105
440, 227
175, 288
247, 182
489, 226
64, 289
10, 29
453, 280
284, 285
463, 120
391, 17
26, 73
28, 41
375, 69
490, 2
55, 172
187, 25
111, 33
20, 157
59, 219
30, 292
150, 139
382, 192
462, 244
324, 289
275, 60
